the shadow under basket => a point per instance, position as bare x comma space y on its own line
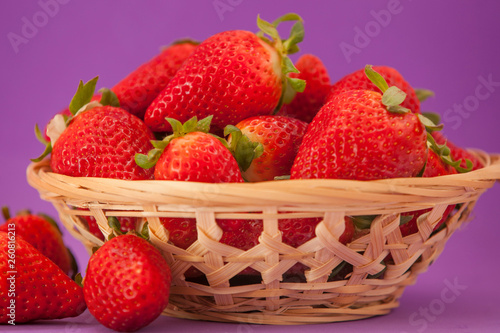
361, 279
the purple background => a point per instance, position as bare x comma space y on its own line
445, 46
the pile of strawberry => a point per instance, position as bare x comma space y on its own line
235, 108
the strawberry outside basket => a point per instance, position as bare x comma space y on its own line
371, 289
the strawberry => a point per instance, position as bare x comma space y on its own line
363, 135
306, 104
32, 287
198, 157
232, 75
136, 91
359, 81
280, 138
458, 153
99, 141
102, 142
191, 154
44, 235
127, 284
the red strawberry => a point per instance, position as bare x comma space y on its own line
140, 88
356, 136
232, 75
127, 283
280, 138
457, 153
100, 141
43, 235
305, 105
32, 287
359, 81
198, 157
190, 154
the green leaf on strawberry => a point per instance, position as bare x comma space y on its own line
423, 94
83, 95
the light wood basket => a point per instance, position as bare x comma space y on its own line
273, 300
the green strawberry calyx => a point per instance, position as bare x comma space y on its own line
243, 149
179, 129
81, 102
284, 47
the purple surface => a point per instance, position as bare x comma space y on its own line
450, 47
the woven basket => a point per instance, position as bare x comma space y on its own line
270, 299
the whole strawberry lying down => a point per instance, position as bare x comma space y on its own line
231, 109
32, 286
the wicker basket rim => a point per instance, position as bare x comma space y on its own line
270, 193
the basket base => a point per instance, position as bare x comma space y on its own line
295, 316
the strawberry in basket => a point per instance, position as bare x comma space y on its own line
43, 233
280, 138
304, 105
32, 286
99, 140
363, 135
232, 75
127, 284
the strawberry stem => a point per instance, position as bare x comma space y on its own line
6, 213
284, 47
108, 97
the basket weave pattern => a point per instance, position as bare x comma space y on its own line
274, 300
